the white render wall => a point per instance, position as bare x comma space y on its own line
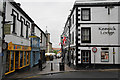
16, 39
102, 39
100, 15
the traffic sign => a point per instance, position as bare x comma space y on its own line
94, 49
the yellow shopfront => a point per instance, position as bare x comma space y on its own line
17, 57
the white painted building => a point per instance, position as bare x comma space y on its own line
17, 31
94, 26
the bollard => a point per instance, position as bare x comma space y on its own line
51, 66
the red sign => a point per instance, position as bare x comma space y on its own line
94, 49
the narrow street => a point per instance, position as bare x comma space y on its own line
35, 73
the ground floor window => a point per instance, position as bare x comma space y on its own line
10, 57
21, 59
86, 56
104, 56
24, 58
7, 61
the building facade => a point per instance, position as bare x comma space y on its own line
38, 45
1, 19
43, 46
93, 34
17, 30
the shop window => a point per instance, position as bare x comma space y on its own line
16, 59
7, 61
24, 58
27, 55
12, 60
85, 14
21, 59
104, 56
86, 56
86, 35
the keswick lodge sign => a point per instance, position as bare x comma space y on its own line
107, 30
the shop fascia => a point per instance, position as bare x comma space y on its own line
109, 30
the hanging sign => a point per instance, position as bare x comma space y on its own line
7, 28
94, 49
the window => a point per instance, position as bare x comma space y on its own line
86, 35
14, 24
86, 56
21, 29
27, 31
72, 37
33, 28
104, 56
73, 19
85, 14
41, 37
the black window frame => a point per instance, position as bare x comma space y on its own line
27, 31
89, 57
22, 23
73, 19
82, 9
73, 37
83, 41
14, 24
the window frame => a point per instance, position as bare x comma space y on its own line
105, 52
84, 41
73, 37
82, 9
14, 24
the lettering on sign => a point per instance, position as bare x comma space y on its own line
109, 30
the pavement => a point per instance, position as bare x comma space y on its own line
35, 72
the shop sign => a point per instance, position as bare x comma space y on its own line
7, 28
12, 46
107, 30
94, 49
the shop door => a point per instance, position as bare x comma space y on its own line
86, 57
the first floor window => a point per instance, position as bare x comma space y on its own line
85, 14
104, 56
14, 24
86, 35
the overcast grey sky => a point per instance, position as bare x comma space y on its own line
50, 13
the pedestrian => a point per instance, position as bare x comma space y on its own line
40, 64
